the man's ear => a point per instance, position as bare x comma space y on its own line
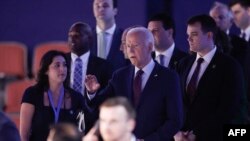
151, 47
115, 11
248, 11
170, 32
131, 125
210, 35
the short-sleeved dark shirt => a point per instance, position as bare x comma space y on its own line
44, 115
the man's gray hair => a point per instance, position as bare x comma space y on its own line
220, 5
146, 33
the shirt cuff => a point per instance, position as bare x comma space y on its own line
91, 96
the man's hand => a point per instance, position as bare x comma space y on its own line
91, 84
91, 136
184, 136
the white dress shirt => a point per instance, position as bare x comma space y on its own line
109, 36
228, 31
147, 71
247, 32
85, 60
133, 138
167, 55
207, 59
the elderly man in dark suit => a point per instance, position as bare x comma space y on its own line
212, 83
82, 62
153, 89
107, 34
166, 53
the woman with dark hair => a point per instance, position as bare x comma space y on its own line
50, 101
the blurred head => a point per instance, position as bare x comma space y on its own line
241, 13
222, 16
162, 27
123, 42
105, 10
53, 69
117, 119
201, 33
80, 38
64, 132
139, 43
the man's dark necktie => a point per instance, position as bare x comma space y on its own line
77, 82
191, 88
161, 57
137, 86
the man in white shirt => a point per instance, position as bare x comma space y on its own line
222, 15
241, 15
212, 84
107, 34
165, 51
116, 121
153, 89
80, 40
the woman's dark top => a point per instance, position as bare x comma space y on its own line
44, 116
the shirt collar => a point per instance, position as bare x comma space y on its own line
168, 52
148, 68
111, 30
83, 57
208, 57
133, 138
247, 32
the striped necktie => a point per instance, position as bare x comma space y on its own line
77, 82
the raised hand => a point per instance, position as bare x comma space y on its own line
91, 83
91, 136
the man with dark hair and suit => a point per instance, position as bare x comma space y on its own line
166, 53
153, 89
241, 16
107, 34
82, 62
212, 84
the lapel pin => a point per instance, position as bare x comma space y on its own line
213, 66
155, 75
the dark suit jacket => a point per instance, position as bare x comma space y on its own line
220, 97
102, 70
175, 59
241, 52
115, 56
159, 112
8, 131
